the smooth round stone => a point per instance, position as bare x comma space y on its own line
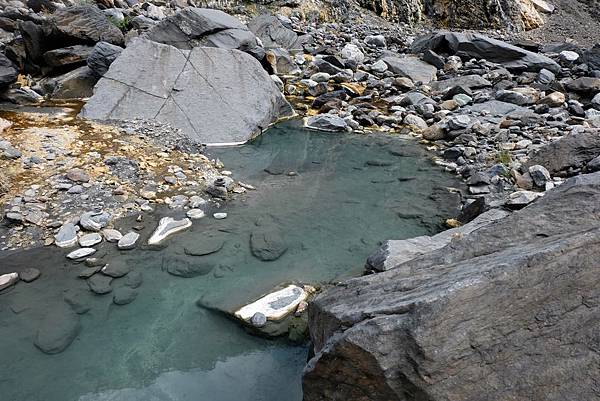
81, 253
124, 295
76, 299
30, 274
88, 240
7, 280
220, 216
112, 235
134, 279
204, 247
195, 214
66, 236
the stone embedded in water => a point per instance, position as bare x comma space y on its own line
88, 240
326, 122
204, 247
81, 253
274, 306
134, 279
89, 272
76, 300
57, 330
30, 274
116, 269
66, 236
124, 295
195, 214
8, 279
128, 241
267, 245
166, 227
220, 216
185, 268
100, 284
94, 221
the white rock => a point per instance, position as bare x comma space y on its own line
543, 6
81, 253
66, 236
276, 305
112, 235
8, 279
569, 55
168, 226
195, 214
128, 241
522, 198
220, 216
88, 240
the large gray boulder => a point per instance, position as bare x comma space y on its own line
193, 27
273, 34
102, 56
474, 45
572, 151
411, 67
509, 311
213, 95
83, 24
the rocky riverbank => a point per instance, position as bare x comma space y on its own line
518, 120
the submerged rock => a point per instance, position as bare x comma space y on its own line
57, 330
166, 227
267, 244
124, 295
186, 268
30, 274
77, 301
100, 284
488, 308
213, 95
116, 269
205, 246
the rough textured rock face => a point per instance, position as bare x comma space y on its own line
192, 27
213, 95
476, 14
473, 45
86, 24
510, 311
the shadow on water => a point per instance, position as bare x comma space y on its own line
347, 193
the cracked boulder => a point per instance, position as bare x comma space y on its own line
213, 95
508, 311
193, 27
84, 24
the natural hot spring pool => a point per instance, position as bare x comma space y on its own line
347, 193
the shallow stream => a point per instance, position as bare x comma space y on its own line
331, 197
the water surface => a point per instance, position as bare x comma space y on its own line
333, 198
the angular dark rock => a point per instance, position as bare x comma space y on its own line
84, 24
570, 151
474, 45
484, 315
213, 95
102, 56
8, 71
272, 33
67, 56
76, 84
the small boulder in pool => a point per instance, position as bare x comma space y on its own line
274, 306
57, 330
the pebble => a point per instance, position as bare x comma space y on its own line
88, 240
128, 241
81, 253
220, 216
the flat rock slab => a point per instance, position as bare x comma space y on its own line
30, 274
66, 236
206, 246
57, 331
185, 268
214, 96
411, 67
167, 227
86, 24
100, 284
274, 306
116, 269
128, 241
81, 253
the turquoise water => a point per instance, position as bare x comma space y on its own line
332, 198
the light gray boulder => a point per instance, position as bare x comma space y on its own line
193, 27
213, 95
411, 67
